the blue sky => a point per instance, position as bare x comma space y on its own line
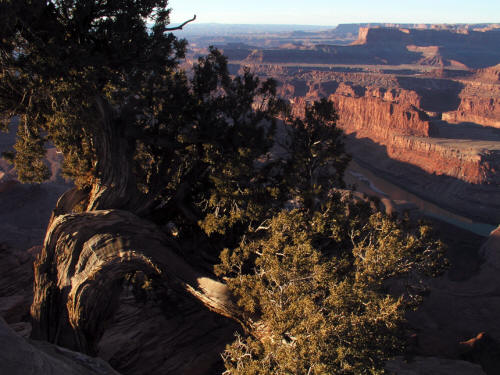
333, 12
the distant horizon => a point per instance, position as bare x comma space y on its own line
335, 12
220, 28
337, 24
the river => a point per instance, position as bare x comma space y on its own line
369, 183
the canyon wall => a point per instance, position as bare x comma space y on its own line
445, 158
460, 48
490, 74
425, 37
378, 114
392, 118
434, 137
479, 101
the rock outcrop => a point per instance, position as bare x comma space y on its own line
431, 130
490, 74
19, 356
457, 47
465, 157
379, 115
467, 162
479, 103
458, 320
110, 284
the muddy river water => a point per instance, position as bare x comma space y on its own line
369, 183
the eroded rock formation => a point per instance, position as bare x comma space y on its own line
441, 47
379, 114
421, 104
490, 74
110, 284
465, 157
479, 103
435, 137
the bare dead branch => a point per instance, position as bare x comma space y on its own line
181, 25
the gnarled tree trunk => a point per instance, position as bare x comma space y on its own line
115, 186
83, 301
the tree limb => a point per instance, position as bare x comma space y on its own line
181, 25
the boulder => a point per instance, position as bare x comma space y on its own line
19, 356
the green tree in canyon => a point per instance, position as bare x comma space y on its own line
221, 158
329, 288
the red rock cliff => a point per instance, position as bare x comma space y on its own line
445, 157
379, 115
479, 101
392, 118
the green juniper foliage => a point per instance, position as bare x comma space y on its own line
196, 151
317, 281
107, 91
317, 158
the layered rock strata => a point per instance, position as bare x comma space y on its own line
483, 110
379, 115
454, 48
412, 131
491, 74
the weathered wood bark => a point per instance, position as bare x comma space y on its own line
83, 301
115, 186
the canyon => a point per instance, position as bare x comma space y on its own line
416, 110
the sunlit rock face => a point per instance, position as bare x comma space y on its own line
420, 103
410, 132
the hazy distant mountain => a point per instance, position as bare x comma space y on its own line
198, 29
201, 35
221, 29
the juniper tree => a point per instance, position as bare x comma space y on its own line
318, 284
101, 81
136, 132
